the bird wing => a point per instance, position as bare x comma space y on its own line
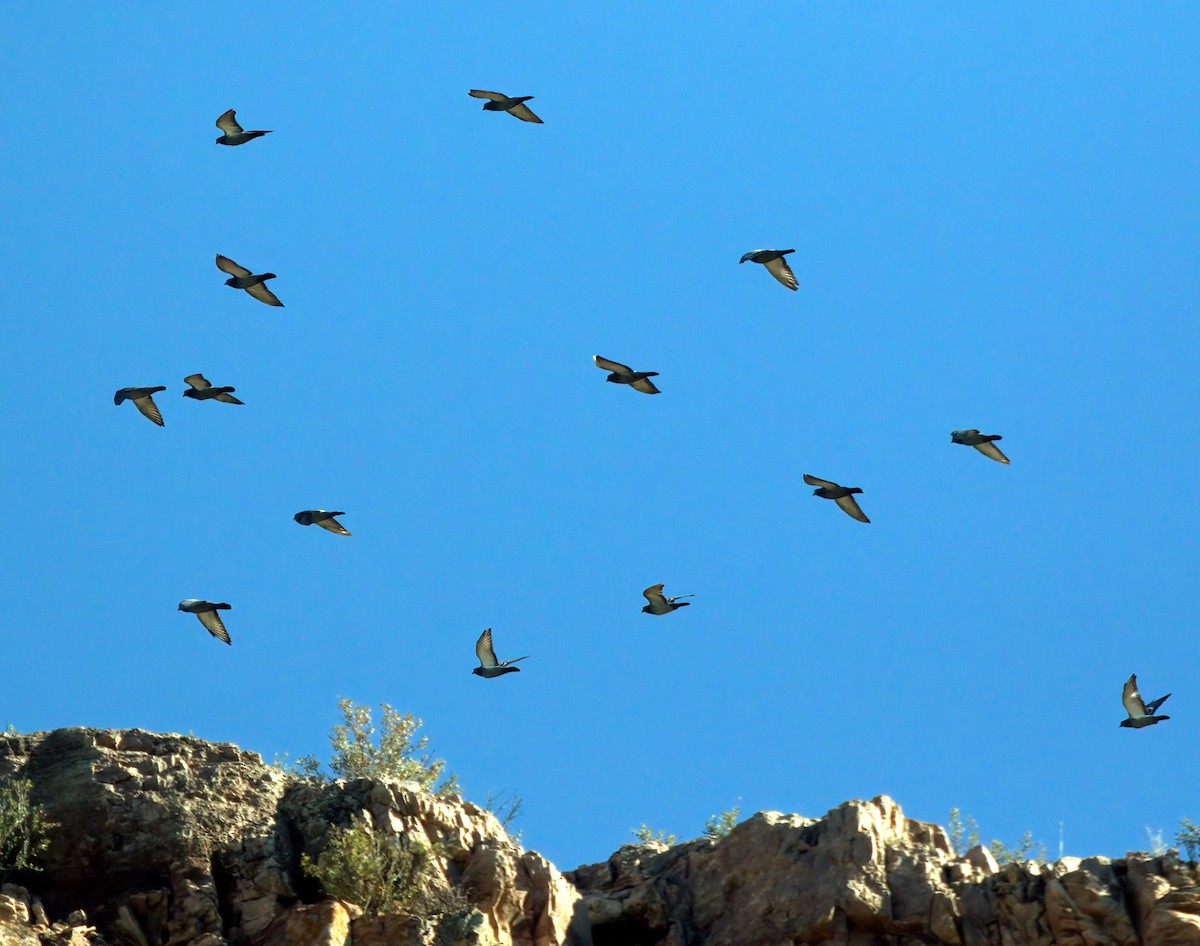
1151, 708
606, 365
333, 525
1132, 699
817, 481
783, 272
494, 96
197, 381
260, 292
850, 507
989, 449
216, 627
654, 594
228, 124
484, 651
226, 265
513, 661
226, 398
524, 113
147, 406
646, 386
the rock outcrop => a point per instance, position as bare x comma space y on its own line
171, 840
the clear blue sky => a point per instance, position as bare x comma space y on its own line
994, 215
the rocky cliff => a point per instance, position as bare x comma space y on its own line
172, 840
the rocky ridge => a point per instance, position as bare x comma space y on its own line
171, 840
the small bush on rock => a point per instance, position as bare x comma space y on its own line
1188, 838
647, 835
23, 827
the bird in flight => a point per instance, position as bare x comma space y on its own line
623, 374
322, 518
981, 442
842, 495
143, 400
488, 665
242, 278
206, 611
499, 102
660, 603
1140, 713
202, 390
234, 133
776, 265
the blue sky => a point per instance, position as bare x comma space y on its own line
994, 217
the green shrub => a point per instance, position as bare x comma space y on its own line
964, 835
650, 836
23, 827
382, 873
1188, 838
719, 826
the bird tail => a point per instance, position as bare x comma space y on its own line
222, 607
651, 374
995, 437
266, 276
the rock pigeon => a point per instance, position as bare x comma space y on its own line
981, 442
842, 495
1140, 714
234, 133
776, 265
206, 611
623, 374
142, 400
488, 665
242, 278
322, 518
202, 390
660, 603
502, 103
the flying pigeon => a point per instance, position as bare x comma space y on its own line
1140, 714
234, 133
623, 374
842, 495
502, 103
142, 400
242, 278
660, 603
488, 665
202, 390
776, 265
206, 611
322, 518
981, 442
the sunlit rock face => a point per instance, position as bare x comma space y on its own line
168, 839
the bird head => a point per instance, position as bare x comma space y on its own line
478, 671
611, 377
817, 491
1128, 723
230, 281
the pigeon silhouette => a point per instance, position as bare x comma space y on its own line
776, 265
488, 665
242, 278
322, 518
499, 102
234, 133
1140, 714
142, 400
202, 390
842, 495
206, 611
660, 603
623, 374
981, 442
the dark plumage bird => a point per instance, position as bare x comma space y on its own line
242, 278
660, 603
623, 374
234, 133
842, 495
1140, 713
776, 265
322, 518
981, 442
142, 400
499, 102
206, 611
202, 390
489, 666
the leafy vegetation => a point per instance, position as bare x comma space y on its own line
1188, 838
24, 827
647, 835
506, 806
719, 826
964, 835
